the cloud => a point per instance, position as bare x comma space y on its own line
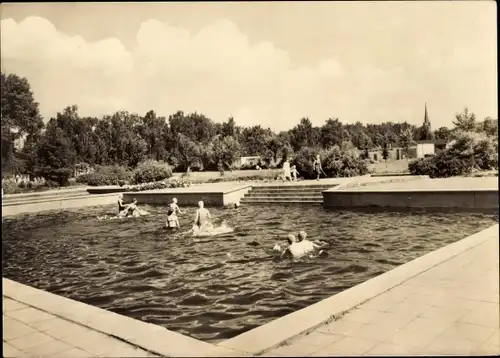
219, 72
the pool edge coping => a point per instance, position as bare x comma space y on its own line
160, 340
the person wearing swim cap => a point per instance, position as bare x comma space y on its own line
299, 247
172, 219
202, 218
307, 244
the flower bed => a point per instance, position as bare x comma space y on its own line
160, 185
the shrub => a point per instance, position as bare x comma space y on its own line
10, 187
422, 167
469, 152
51, 184
60, 175
303, 162
343, 163
336, 162
84, 178
105, 175
247, 167
151, 171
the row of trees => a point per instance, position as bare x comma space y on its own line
183, 140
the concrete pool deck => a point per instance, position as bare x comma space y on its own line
213, 194
31, 332
462, 192
445, 302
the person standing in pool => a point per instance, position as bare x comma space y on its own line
172, 219
202, 218
121, 205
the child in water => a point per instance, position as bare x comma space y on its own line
172, 219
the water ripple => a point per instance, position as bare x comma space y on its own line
216, 288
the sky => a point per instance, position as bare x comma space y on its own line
265, 63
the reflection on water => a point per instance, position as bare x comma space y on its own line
214, 288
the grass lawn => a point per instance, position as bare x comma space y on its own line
395, 166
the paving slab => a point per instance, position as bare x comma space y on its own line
28, 332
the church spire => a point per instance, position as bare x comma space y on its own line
425, 130
426, 117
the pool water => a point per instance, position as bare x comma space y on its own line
214, 288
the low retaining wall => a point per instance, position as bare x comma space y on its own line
106, 190
188, 197
58, 204
463, 199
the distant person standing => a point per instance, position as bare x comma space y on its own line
294, 173
286, 171
317, 166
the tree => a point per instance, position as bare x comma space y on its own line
465, 121
254, 140
442, 133
187, 153
304, 135
424, 133
224, 152
20, 116
385, 153
406, 140
488, 126
55, 157
333, 133
229, 128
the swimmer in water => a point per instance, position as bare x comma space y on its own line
301, 247
310, 245
202, 218
172, 219
130, 210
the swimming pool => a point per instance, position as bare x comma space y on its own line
216, 288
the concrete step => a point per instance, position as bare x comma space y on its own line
272, 197
290, 198
305, 190
274, 194
295, 187
282, 201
